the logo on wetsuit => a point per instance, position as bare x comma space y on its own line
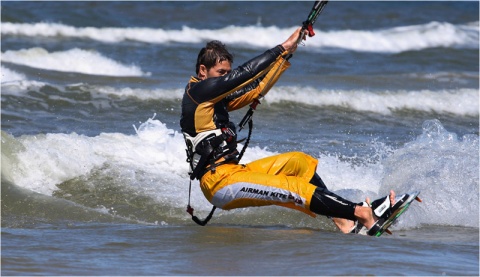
273, 194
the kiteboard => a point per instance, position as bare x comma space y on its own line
399, 208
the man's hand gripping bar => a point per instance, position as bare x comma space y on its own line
312, 17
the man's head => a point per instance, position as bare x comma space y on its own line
214, 60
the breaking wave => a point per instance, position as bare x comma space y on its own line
143, 177
73, 60
392, 40
463, 101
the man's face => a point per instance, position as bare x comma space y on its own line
220, 69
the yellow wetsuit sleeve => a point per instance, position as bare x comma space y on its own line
279, 67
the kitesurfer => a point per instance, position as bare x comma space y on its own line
287, 179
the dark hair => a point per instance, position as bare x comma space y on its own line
213, 53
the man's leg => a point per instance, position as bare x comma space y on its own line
344, 225
235, 186
327, 203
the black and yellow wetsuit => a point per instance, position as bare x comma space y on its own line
206, 103
286, 179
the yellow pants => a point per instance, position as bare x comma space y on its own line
281, 180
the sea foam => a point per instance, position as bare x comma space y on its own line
73, 60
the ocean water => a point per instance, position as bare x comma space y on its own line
94, 178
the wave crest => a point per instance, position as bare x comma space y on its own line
392, 40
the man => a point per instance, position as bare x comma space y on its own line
288, 179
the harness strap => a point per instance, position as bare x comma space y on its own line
198, 168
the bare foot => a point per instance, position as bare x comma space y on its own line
365, 214
344, 225
392, 198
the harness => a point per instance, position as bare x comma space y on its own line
204, 149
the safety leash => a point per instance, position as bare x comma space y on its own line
306, 25
190, 210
